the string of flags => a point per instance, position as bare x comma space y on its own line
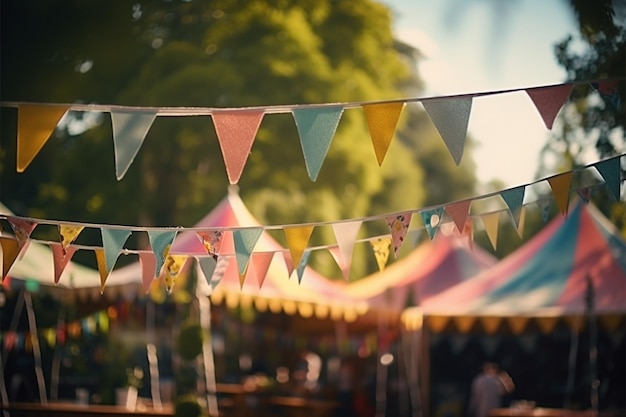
455, 216
236, 128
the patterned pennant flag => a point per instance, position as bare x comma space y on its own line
68, 233
245, 240
610, 170
113, 241
382, 119
302, 265
212, 242
35, 124
549, 100
10, 250
161, 241
22, 229
451, 118
491, 222
316, 128
398, 225
236, 131
432, 220
148, 262
102, 267
345, 235
297, 239
173, 265
61, 257
381, 247
585, 194
560, 185
514, 198
458, 212
129, 131
262, 261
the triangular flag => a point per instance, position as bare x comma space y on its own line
297, 239
585, 194
129, 131
491, 222
288, 263
432, 220
341, 263
61, 257
398, 225
549, 100
514, 198
458, 212
113, 241
451, 118
303, 261
102, 267
560, 185
10, 250
236, 131
262, 261
316, 127
380, 247
610, 170
148, 263
382, 119
22, 229
522, 222
609, 91
544, 208
345, 234
173, 265
212, 242
245, 240
68, 233
207, 265
35, 124
160, 241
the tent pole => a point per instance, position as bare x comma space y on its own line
424, 360
207, 353
32, 325
56, 359
153, 360
571, 375
593, 348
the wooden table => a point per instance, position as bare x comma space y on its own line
551, 412
302, 406
60, 409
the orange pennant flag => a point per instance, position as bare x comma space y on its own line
382, 120
102, 268
261, 262
10, 250
297, 239
560, 185
236, 131
35, 124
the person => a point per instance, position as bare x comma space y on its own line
487, 390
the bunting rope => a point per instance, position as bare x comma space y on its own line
236, 128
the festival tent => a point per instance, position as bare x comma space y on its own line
546, 279
434, 266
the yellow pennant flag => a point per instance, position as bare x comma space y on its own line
10, 249
68, 233
491, 222
35, 124
102, 268
522, 222
173, 265
382, 119
381, 247
560, 185
297, 239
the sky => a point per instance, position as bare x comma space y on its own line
490, 45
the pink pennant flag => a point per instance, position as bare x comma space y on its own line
22, 229
549, 100
236, 131
61, 257
398, 225
212, 242
341, 263
148, 262
288, 263
458, 212
345, 234
261, 262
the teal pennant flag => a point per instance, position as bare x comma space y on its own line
113, 241
245, 240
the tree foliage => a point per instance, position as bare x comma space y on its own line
220, 53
